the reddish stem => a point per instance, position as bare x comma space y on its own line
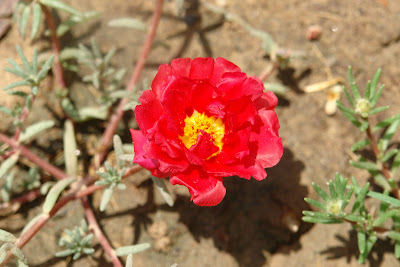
267, 71
28, 197
58, 70
44, 218
91, 218
56, 172
117, 116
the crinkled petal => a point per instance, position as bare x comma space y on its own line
240, 113
139, 141
205, 189
149, 111
222, 66
268, 100
181, 67
160, 82
201, 68
267, 141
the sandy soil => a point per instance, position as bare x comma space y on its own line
251, 227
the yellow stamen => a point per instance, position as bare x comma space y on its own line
200, 122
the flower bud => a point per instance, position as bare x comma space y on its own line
363, 107
335, 206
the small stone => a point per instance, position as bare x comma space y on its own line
158, 230
314, 32
162, 244
7, 7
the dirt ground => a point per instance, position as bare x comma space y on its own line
253, 226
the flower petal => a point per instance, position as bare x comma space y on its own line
149, 111
139, 141
201, 68
222, 66
205, 189
268, 100
160, 82
181, 67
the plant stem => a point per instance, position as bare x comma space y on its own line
91, 218
44, 218
268, 70
58, 70
117, 116
385, 170
51, 169
28, 197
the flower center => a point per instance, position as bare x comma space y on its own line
198, 122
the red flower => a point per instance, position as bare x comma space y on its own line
203, 120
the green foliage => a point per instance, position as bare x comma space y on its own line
77, 241
30, 73
111, 178
386, 164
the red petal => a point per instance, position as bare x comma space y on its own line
266, 140
149, 111
166, 164
200, 97
240, 112
221, 66
253, 87
181, 66
139, 141
206, 190
230, 87
160, 83
202, 68
267, 101
235, 147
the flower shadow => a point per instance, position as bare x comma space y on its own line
255, 216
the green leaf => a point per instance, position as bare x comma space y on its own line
88, 113
346, 198
54, 193
129, 261
354, 218
122, 251
70, 148
389, 154
105, 198
315, 203
45, 68
118, 151
370, 243
349, 98
31, 223
162, 188
359, 203
319, 220
360, 144
377, 110
23, 23
319, 215
61, 6
381, 180
66, 25
65, 253
37, 16
367, 92
365, 165
321, 192
340, 185
35, 60
397, 250
16, 84
128, 23
390, 131
35, 129
7, 164
70, 109
396, 162
7, 187
6, 110
362, 241
384, 216
332, 190
349, 115
374, 83
276, 88
353, 86
377, 95
7, 237
388, 199
386, 122
16, 251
